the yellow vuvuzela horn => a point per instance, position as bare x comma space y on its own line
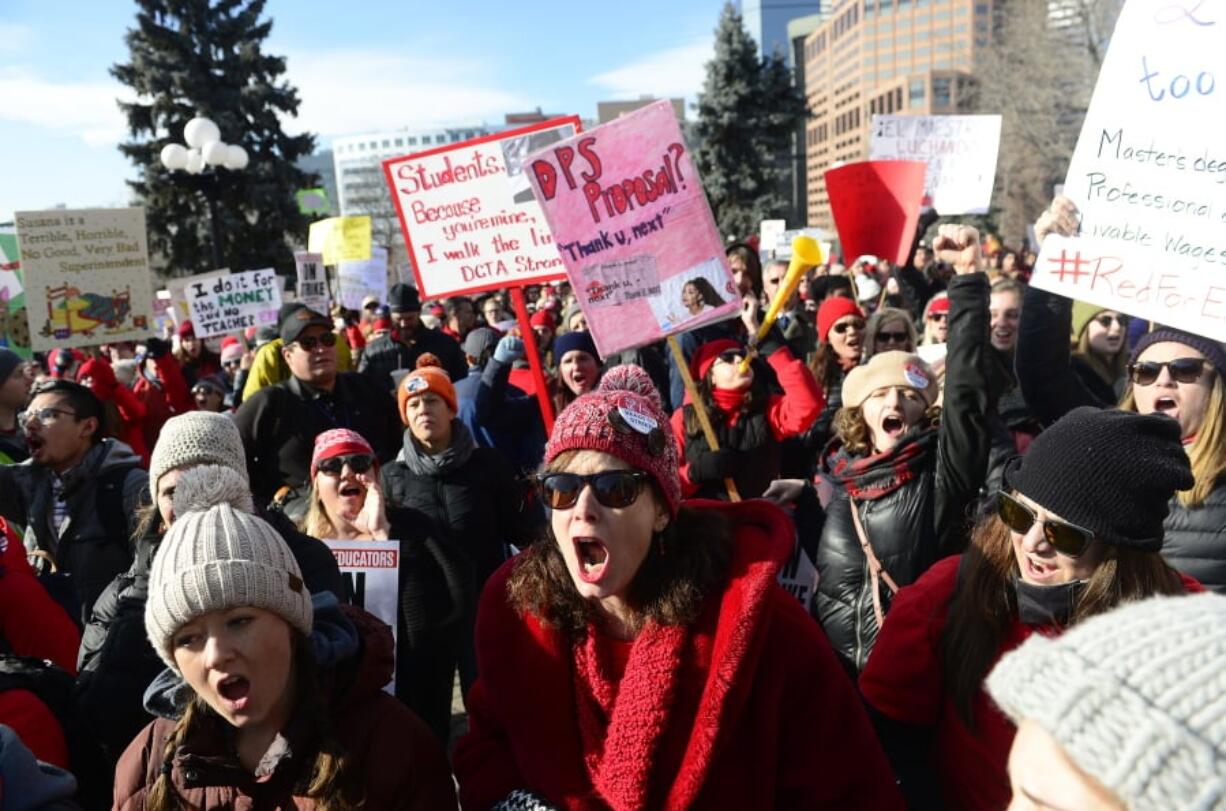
806, 253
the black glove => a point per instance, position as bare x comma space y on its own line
773, 341
156, 348
713, 466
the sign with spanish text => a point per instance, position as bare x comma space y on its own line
631, 221
312, 287
468, 214
1149, 174
357, 280
86, 274
959, 151
876, 207
371, 572
235, 302
340, 239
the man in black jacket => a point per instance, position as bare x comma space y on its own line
279, 423
410, 340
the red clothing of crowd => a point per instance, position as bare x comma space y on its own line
131, 408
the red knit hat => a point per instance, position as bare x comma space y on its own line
186, 330
622, 417
832, 310
428, 376
101, 376
938, 304
543, 318
338, 442
705, 357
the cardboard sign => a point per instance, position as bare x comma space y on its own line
312, 289
232, 303
876, 206
357, 280
14, 327
340, 239
86, 274
1149, 174
468, 214
371, 571
960, 151
631, 221
177, 288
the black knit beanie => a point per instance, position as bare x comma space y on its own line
1111, 472
1211, 349
9, 360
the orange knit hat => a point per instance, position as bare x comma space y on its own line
428, 376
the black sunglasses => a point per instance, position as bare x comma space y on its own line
936, 316
358, 463
1068, 539
612, 488
1105, 321
1183, 370
892, 337
731, 356
843, 326
309, 343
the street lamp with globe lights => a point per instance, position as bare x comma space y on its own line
204, 151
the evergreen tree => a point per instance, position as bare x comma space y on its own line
204, 57
747, 113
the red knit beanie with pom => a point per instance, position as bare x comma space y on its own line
832, 310
428, 376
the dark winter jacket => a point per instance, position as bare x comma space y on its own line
500, 415
279, 424
746, 707
385, 355
103, 494
926, 517
1196, 539
398, 764
13, 447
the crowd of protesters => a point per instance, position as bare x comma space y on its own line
1015, 505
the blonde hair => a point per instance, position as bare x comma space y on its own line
1109, 370
316, 522
883, 318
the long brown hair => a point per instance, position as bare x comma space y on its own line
330, 781
826, 367
687, 562
755, 400
984, 607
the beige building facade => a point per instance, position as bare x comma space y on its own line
874, 57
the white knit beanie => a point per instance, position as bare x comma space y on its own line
1136, 697
217, 555
196, 438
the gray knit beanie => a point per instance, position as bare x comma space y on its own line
217, 555
197, 438
1136, 697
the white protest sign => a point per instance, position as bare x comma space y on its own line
179, 311
232, 303
469, 216
361, 278
799, 576
960, 151
769, 232
371, 571
1149, 174
312, 287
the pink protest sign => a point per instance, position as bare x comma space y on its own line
631, 222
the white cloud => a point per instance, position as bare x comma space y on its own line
85, 109
676, 72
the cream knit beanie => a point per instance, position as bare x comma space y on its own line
196, 438
217, 555
1136, 697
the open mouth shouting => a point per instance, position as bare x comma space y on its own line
1167, 405
593, 558
235, 692
893, 425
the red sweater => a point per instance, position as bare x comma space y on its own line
755, 713
903, 679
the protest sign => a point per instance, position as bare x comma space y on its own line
313, 201
1149, 174
14, 327
769, 232
468, 214
312, 289
782, 247
799, 576
360, 279
340, 239
233, 303
177, 288
959, 150
86, 274
630, 218
371, 571
876, 207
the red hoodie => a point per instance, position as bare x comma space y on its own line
131, 429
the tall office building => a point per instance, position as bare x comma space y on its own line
767, 22
881, 57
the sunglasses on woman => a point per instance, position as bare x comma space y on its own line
1105, 321
358, 463
936, 316
309, 343
612, 488
1068, 539
892, 337
731, 356
843, 326
1183, 370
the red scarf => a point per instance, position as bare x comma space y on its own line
729, 402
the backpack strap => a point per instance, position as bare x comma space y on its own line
876, 571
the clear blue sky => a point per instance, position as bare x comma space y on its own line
358, 65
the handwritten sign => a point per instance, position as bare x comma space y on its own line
357, 280
340, 239
177, 287
468, 213
959, 150
1149, 174
86, 274
312, 287
371, 571
14, 327
633, 227
876, 207
233, 303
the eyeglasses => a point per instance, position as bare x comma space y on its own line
936, 316
843, 326
613, 488
1106, 320
358, 463
1183, 370
45, 416
892, 337
228, 363
309, 343
1068, 539
207, 390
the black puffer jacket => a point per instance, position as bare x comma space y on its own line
1196, 539
926, 517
